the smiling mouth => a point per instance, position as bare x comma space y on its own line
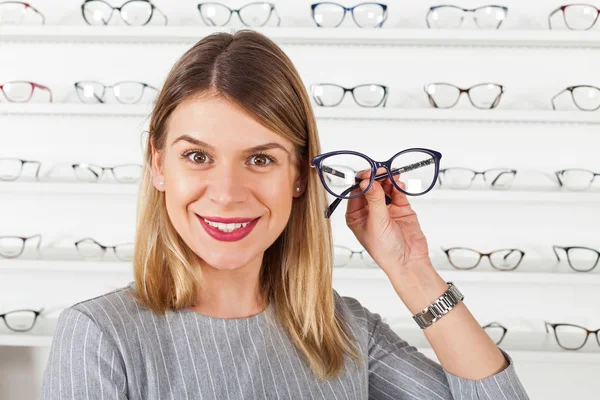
229, 226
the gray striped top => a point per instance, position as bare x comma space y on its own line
109, 347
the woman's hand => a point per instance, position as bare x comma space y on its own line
390, 233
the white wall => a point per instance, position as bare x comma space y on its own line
530, 219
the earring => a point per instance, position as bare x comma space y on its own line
297, 189
161, 183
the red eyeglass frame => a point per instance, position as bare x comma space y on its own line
33, 87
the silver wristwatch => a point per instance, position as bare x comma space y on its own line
439, 307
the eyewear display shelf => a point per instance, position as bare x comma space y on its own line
437, 195
308, 35
325, 113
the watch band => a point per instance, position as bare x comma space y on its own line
439, 307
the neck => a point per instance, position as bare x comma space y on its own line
231, 293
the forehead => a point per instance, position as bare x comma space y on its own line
221, 123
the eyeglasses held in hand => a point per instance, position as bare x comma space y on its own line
90, 249
133, 12
571, 337
12, 168
14, 246
581, 259
365, 15
417, 169
462, 178
126, 92
19, 13
585, 97
21, 320
343, 256
576, 179
495, 331
253, 15
22, 91
446, 95
451, 17
579, 17
366, 95
125, 173
465, 258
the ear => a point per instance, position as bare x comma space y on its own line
301, 181
157, 175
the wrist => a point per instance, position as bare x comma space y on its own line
418, 285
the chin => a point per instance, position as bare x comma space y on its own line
226, 262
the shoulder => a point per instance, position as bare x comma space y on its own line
360, 319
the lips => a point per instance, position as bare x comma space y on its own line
233, 236
228, 220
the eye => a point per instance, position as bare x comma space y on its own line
197, 157
261, 160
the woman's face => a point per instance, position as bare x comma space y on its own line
229, 182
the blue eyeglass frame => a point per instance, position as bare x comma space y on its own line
317, 162
351, 11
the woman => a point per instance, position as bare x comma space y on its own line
233, 297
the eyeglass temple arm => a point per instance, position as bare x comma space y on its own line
555, 96
554, 248
550, 17
163, 15
512, 251
512, 171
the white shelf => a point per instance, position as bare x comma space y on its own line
41, 188
324, 113
307, 35
354, 273
59, 188
25, 340
492, 277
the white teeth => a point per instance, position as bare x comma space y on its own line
226, 227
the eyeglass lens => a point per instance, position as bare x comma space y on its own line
18, 13
365, 15
580, 16
572, 337
576, 179
20, 321
495, 332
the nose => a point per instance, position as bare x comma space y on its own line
227, 185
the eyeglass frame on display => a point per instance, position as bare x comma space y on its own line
497, 325
352, 252
381, 103
564, 7
23, 162
232, 11
24, 240
27, 6
78, 87
102, 247
465, 10
111, 169
351, 10
566, 250
588, 333
483, 255
375, 165
33, 87
562, 171
37, 313
570, 89
482, 173
461, 91
152, 8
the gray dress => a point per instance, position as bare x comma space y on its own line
110, 348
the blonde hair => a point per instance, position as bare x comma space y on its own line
250, 70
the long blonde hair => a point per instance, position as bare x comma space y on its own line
250, 70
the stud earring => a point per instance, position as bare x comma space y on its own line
161, 183
297, 189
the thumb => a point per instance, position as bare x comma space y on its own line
375, 198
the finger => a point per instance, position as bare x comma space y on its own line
356, 203
399, 198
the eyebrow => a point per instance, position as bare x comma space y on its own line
200, 143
